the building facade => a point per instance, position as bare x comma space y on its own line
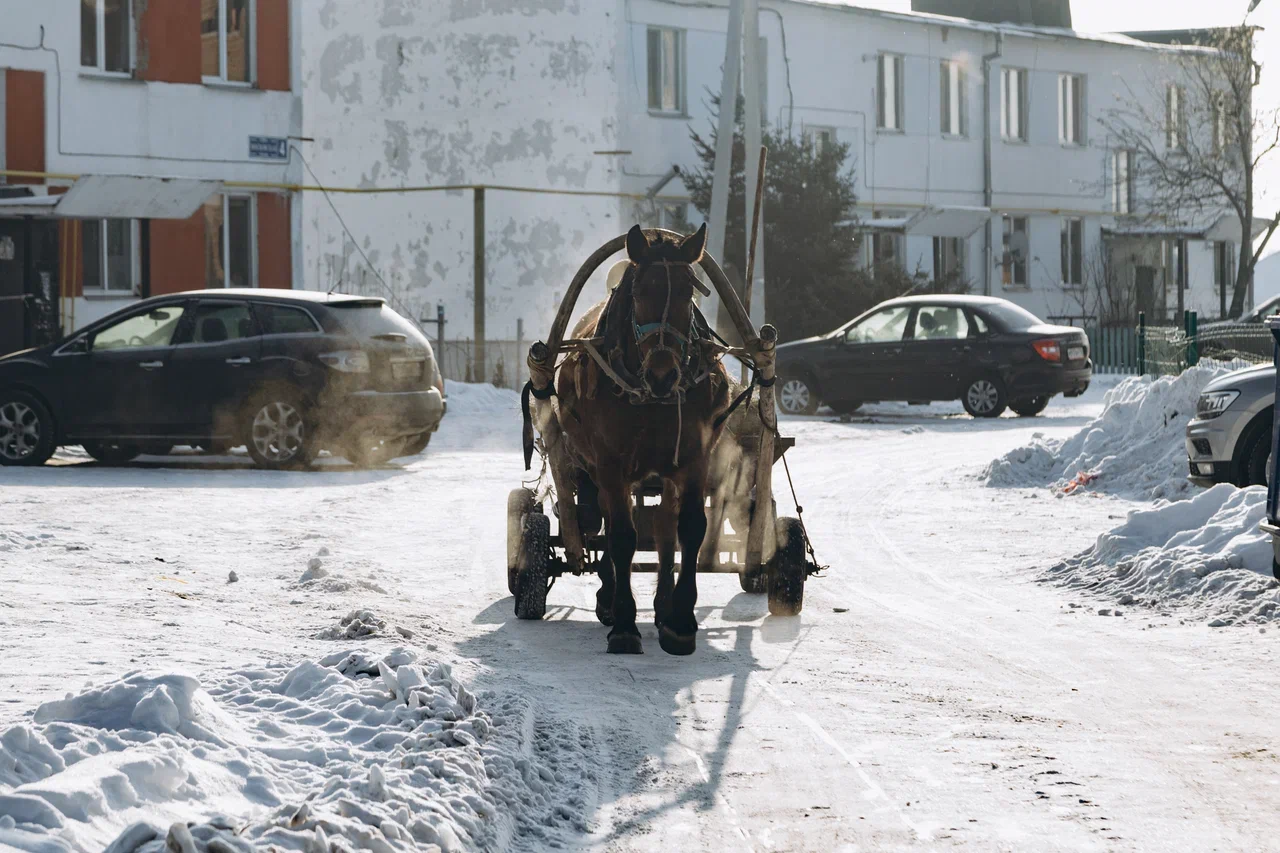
202, 90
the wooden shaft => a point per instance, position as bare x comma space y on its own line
755, 230
761, 541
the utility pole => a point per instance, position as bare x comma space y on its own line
753, 294
478, 371
718, 223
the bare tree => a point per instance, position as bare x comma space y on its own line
1196, 141
1105, 295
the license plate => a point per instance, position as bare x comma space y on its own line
406, 369
1075, 353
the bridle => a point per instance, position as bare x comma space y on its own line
661, 330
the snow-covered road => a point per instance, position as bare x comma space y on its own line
933, 694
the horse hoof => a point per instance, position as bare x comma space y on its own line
625, 644
676, 644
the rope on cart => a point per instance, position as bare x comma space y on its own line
814, 565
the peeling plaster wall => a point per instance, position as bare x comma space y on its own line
431, 92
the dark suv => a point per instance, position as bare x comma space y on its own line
988, 353
285, 373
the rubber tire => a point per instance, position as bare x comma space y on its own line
531, 582
111, 452
520, 502
363, 455
1031, 407
306, 454
1252, 467
788, 570
814, 401
845, 407
214, 447
755, 583
1001, 399
48, 430
162, 448
415, 444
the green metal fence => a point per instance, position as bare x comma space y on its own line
1169, 350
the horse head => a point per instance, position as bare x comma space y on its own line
662, 282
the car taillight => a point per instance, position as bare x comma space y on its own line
347, 361
1049, 350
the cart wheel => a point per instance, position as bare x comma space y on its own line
787, 573
519, 502
1275, 568
754, 582
531, 580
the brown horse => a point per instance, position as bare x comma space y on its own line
651, 409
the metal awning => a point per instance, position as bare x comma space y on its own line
1226, 227
117, 197
951, 221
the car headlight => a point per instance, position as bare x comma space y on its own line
351, 361
1214, 403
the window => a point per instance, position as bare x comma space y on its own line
1174, 118
111, 262
229, 243
216, 322
1224, 126
941, 324
152, 328
886, 248
881, 327
1122, 181
673, 215
954, 105
889, 92
819, 139
1175, 272
1072, 250
1224, 273
1013, 104
282, 320
1014, 265
666, 71
1071, 109
226, 40
106, 35
948, 258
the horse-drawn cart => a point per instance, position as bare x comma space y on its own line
745, 536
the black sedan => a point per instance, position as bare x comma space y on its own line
988, 353
285, 373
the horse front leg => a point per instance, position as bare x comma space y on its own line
664, 540
615, 499
678, 634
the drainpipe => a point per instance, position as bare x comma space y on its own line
986, 156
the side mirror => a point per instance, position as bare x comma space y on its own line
78, 345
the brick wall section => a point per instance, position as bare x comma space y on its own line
275, 242
273, 45
24, 123
168, 40
177, 254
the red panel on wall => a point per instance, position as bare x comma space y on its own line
177, 254
275, 242
273, 45
169, 41
24, 123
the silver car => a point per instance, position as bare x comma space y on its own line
1229, 439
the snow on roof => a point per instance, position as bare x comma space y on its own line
1023, 30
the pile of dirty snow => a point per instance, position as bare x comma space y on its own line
480, 398
1135, 448
351, 752
1205, 555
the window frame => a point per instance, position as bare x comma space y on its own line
899, 93
906, 325
189, 331
135, 261
1008, 227
1071, 110
90, 337
1072, 251
226, 239
221, 78
99, 68
1122, 190
953, 84
681, 109
810, 135
1023, 99
1175, 121
954, 248
256, 305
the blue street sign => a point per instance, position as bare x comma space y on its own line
268, 148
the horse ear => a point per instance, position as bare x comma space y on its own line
637, 244
692, 247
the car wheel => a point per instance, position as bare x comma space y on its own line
366, 451
1255, 459
984, 397
845, 407
112, 452
797, 396
1031, 407
416, 444
280, 433
27, 432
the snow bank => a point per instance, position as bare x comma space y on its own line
1134, 449
479, 398
1205, 554
351, 752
